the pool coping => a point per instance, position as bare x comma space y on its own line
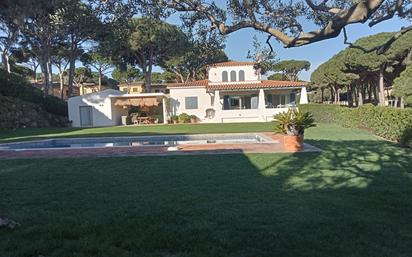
274, 144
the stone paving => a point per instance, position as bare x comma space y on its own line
269, 147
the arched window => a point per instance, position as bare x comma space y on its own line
233, 75
224, 76
241, 75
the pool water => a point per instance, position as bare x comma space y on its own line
136, 141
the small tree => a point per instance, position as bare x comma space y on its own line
126, 75
264, 57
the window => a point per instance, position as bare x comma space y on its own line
280, 101
241, 75
124, 90
135, 89
191, 102
236, 102
233, 75
224, 76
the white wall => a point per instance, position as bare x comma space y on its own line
215, 73
177, 101
101, 104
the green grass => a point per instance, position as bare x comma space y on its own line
352, 199
41, 133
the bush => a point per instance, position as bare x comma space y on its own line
15, 86
184, 118
406, 138
389, 123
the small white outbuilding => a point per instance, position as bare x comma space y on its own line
107, 107
95, 109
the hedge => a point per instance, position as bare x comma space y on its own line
387, 122
16, 86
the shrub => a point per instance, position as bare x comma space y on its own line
387, 122
193, 118
184, 118
406, 138
15, 86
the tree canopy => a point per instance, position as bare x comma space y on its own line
402, 86
291, 68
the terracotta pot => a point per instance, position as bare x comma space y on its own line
293, 143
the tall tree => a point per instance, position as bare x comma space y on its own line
191, 65
9, 35
60, 59
99, 61
149, 42
35, 20
291, 68
380, 66
80, 24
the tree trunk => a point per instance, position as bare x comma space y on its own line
337, 94
355, 95
72, 67
45, 71
369, 88
349, 95
360, 96
61, 84
322, 94
7, 63
100, 80
381, 86
50, 71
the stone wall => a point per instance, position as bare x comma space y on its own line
15, 113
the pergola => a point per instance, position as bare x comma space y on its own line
142, 100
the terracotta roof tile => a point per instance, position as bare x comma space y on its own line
197, 83
235, 86
231, 63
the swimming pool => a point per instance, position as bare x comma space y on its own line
138, 141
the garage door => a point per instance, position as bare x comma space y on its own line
86, 116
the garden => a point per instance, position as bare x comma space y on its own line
351, 199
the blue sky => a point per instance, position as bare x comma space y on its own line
238, 43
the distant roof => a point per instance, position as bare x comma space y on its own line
231, 63
239, 86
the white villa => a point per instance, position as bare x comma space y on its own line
233, 92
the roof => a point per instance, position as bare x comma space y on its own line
141, 95
231, 63
240, 86
140, 83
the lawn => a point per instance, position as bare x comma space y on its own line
352, 199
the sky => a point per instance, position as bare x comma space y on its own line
239, 43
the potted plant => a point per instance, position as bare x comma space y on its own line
193, 119
174, 119
292, 125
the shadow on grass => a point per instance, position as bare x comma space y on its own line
353, 199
